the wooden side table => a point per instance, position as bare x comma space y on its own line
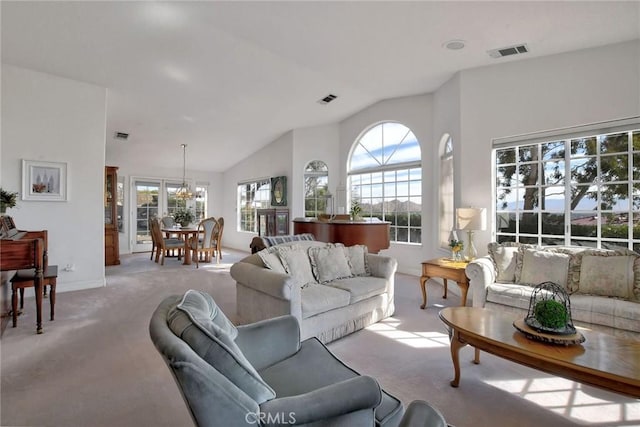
445, 269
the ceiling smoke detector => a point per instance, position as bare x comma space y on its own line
122, 136
327, 99
508, 50
454, 44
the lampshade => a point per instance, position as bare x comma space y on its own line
471, 218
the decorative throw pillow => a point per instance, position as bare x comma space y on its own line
610, 276
198, 321
296, 263
358, 260
329, 263
504, 257
575, 264
271, 259
540, 266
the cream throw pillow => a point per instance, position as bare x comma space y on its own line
504, 256
329, 263
296, 263
540, 266
271, 259
610, 276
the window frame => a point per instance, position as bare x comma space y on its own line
446, 190
319, 202
259, 191
577, 223
383, 178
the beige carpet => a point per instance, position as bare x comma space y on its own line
96, 366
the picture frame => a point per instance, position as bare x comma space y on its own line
279, 191
44, 181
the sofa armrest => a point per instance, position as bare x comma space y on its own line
344, 397
278, 285
269, 341
481, 273
382, 266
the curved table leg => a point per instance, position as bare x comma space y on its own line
456, 345
423, 282
445, 288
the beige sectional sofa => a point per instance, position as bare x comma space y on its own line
332, 290
604, 285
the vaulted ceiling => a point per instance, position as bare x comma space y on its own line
232, 76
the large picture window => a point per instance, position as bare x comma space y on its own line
581, 190
251, 197
385, 178
316, 187
446, 191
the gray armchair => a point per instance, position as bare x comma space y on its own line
261, 374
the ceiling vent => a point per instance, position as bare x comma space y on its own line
121, 136
327, 99
509, 50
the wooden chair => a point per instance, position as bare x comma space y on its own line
206, 241
164, 244
219, 238
154, 242
26, 279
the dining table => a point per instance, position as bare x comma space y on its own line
184, 233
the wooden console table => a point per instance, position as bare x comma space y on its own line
445, 269
375, 235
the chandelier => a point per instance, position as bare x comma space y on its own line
184, 192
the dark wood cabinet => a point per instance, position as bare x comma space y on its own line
273, 222
111, 246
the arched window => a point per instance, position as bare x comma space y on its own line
385, 178
446, 216
316, 182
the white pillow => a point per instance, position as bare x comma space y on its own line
504, 256
271, 259
540, 266
329, 263
358, 260
296, 263
610, 276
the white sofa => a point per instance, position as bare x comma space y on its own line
604, 285
332, 290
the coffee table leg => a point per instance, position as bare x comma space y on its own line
423, 282
476, 357
445, 288
456, 345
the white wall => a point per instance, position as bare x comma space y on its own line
415, 112
575, 88
273, 160
48, 118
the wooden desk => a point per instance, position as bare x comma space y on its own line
602, 360
445, 269
185, 234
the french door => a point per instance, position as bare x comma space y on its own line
146, 197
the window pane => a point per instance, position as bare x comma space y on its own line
553, 199
505, 156
636, 225
505, 199
553, 224
636, 140
583, 146
505, 176
506, 223
615, 225
554, 172
614, 168
528, 153
583, 170
584, 197
528, 198
614, 143
528, 223
636, 166
584, 224
528, 174
553, 150
614, 197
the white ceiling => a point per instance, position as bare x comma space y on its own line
227, 78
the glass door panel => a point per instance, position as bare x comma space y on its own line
146, 203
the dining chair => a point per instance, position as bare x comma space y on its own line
219, 238
164, 244
154, 241
205, 241
169, 222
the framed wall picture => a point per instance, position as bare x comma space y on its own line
44, 181
279, 191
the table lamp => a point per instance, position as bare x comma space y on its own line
470, 220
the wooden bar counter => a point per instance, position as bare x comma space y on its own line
375, 235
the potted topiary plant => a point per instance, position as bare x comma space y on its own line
183, 216
8, 199
551, 314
